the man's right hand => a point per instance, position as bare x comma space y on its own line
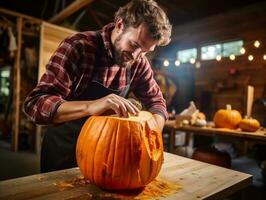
118, 104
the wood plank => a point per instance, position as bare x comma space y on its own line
198, 180
16, 14
259, 135
50, 37
72, 8
17, 83
41, 57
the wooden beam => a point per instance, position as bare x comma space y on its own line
16, 14
72, 8
56, 6
177, 9
17, 84
100, 14
79, 18
110, 4
95, 18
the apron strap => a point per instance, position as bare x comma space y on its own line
98, 56
124, 92
126, 89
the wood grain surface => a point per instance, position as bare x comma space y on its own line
180, 178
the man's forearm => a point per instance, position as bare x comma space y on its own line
71, 110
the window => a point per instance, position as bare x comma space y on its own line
226, 49
230, 48
4, 84
211, 52
184, 56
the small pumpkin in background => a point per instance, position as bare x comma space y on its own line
249, 124
227, 118
120, 153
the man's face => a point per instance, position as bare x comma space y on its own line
132, 44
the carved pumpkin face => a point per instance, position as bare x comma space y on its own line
120, 153
227, 118
249, 124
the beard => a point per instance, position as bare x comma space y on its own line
122, 58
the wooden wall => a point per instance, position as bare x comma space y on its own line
248, 24
51, 37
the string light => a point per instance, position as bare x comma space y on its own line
218, 58
177, 63
232, 57
166, 63
242, 50
192, 60
250, 57
198, 65
257, 44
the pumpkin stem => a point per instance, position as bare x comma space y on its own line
228, 107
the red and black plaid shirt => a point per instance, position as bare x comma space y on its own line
69, 72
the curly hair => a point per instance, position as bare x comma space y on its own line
137, 12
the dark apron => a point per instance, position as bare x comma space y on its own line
59, 142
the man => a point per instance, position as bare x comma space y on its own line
92, 72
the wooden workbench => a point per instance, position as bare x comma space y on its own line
259, 136
187, 179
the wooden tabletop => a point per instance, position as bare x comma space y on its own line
258, 135
180, 178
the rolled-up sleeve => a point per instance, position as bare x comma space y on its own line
42, 102
147, 90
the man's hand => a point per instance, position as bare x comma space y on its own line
119, 105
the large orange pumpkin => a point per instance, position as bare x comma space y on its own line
249, 124
227, 118
120, 153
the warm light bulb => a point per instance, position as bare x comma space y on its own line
232, 57
242, 50
250, 57
218, 58
177, 63
264, 57
198, 65
257, 44
166, 63
192, 60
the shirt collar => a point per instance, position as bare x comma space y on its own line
106, 36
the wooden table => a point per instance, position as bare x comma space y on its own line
193, 180
259, 136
